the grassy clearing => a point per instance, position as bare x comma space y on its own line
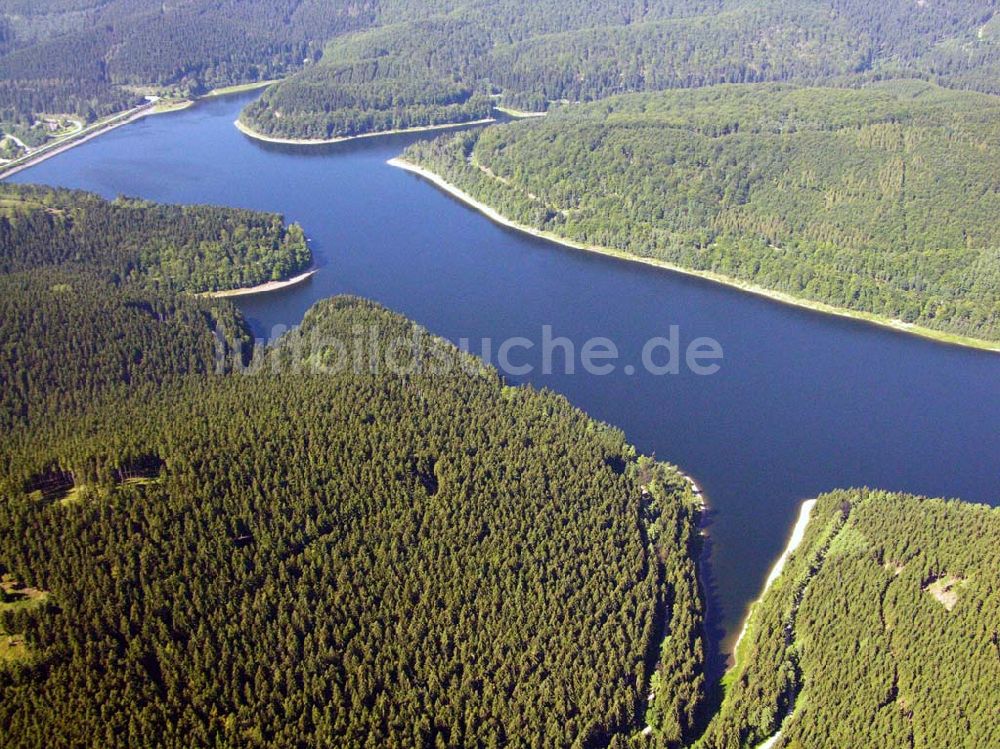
141, 481
83, 492
13, 648
945, 590
74, 495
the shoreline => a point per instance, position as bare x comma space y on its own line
696, 490
263, 288
520, 114
794, 541
89, 133
777, 296
86, 134
516, 114
251, 133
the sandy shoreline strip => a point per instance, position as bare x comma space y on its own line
520, 114
251, 133
798, 533
262, 288
239, 88
777, 296
160, 107
74, 141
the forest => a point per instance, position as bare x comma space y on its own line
881, 200
533, 55
358, 535
354, 67
69, 338
208, 544
93, 59
98, 298
203, 547
353, 99
285, 550
181, 248
880, 632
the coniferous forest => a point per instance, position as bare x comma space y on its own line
358, 67
338, 560
532, 55
92, 59
181, 248
881, 200
99, 297
881, 632
202, 544
358, 535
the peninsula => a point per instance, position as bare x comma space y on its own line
677, 180
494, 215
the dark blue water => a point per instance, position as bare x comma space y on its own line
803, 402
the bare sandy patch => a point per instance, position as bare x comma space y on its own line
945, 590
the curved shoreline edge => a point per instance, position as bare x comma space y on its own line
794, 541
124, 118
251, 133
239, 88
87, 134
798, 533
777, 296
519, 114
262, 288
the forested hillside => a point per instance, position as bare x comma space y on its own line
310, 556
94, 294
361, 536
419, 68
85, 56
882, 200
403, 63
70, 338
881, 632
305, 548
180, 248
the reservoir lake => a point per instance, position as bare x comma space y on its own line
802, 403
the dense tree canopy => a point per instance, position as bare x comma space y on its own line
305, 548
68, 339
881, 632
303, 557
316, 547
534, 54
183, 248
360, 536
882, 199
94, 294
381, 64
84, 57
